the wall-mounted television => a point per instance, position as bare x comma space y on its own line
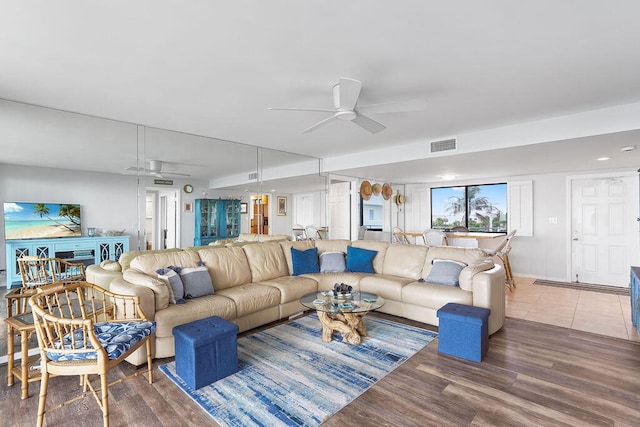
41, 220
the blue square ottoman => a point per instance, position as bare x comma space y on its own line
463, 331
206, 350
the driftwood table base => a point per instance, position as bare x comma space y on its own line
350, 325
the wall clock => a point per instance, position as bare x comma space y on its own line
188, 188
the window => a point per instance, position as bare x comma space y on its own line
477, 207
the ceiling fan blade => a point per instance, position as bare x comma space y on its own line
302, 109
368, 124
319, 124
417, 104
349, 92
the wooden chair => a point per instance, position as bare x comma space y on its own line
36, 272
83, 329
502, 252
435, 238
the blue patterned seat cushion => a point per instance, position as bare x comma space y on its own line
116, 338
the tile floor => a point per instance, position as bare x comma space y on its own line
596, 312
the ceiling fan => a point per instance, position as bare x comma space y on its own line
345, 101
155, 169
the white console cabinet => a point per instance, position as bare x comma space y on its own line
89, 250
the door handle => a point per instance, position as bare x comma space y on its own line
575, 239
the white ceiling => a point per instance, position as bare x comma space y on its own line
212, 68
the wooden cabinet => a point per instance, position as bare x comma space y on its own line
216, 220
88, 250
260, 219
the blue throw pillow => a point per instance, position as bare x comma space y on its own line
360, 260
305, 261
445, 272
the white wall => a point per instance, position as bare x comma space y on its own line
545, 255
107, 201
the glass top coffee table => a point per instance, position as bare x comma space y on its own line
343, 313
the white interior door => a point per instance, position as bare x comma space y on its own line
303, 209
604, 229
340, 210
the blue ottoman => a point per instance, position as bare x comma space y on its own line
206, 350
463, 331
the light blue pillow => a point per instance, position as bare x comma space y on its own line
171, 278
360, 260
332, 262
305, 261
197, 282
445, 272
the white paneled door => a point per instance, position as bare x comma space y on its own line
604, 230
340, 210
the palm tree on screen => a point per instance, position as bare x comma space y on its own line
70, 212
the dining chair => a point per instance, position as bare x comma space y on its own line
435, 238
85, 330
298, 232
312, 233
399, 236
502, 252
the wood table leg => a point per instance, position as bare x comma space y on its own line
338, 322
10, 344
24, 363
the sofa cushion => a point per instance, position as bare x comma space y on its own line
467, 273
333, 245
389, 287
444, 272
434, 296
332, 262
292, 288
360, 260
160, 289
193, 309
305, 261
467, 255
379, 246
126, 258
266, 261
227, 266
404, 260
151, 262
252, 297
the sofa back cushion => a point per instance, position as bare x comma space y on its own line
266, 261
126, 258
379, 246
150, 262
405, 260
469, 256
332, 245
227, 266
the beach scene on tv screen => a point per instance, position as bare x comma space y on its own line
41, 220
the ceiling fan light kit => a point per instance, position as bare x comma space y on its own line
155, 169
345, 101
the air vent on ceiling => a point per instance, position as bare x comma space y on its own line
445, 145
253, 176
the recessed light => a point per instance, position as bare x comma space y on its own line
604, 158
449, 177
628, 148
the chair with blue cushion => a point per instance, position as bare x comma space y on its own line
82, 330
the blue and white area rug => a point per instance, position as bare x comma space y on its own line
289, 377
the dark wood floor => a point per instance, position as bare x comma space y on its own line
533, 375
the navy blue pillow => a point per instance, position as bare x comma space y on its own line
360, 260
305, 261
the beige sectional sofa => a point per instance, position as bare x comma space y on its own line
255, 285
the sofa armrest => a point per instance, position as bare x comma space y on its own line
488, 292
147, 297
